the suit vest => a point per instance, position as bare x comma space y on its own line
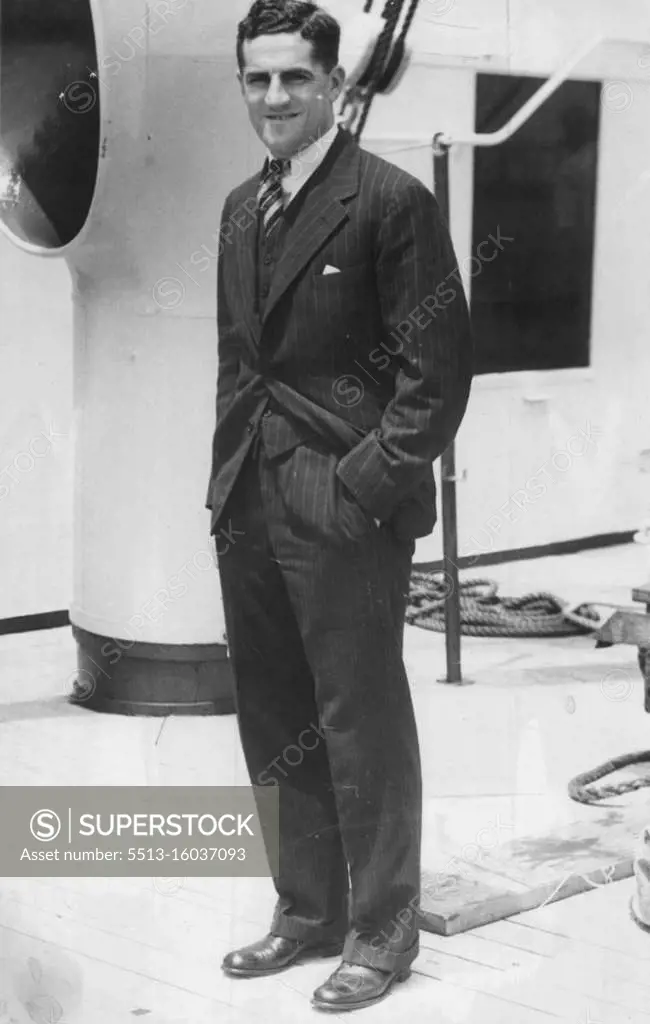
277, 433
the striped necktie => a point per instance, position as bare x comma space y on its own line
270, 197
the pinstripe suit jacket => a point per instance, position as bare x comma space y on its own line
374, 361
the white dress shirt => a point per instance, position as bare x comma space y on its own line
304, 163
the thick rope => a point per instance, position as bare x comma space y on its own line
396, 58
370, 79
482, 613
582, 790
391, 14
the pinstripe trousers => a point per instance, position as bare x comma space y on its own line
314, 596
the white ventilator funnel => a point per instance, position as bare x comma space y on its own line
121, 132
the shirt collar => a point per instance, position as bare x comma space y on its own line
304, 163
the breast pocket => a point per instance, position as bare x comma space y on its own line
341, 294
343, 276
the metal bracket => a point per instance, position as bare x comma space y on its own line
440, 145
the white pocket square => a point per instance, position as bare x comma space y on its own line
329, 269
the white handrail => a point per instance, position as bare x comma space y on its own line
534, 103
446, 139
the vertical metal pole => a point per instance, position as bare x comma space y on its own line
448, 471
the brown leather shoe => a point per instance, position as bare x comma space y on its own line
274, 953
353, 986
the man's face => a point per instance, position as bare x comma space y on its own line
289, 97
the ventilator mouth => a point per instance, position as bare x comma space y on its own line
49, 119
637, 914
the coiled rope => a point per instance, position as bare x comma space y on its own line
482, 613
583, 792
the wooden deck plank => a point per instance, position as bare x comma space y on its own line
143, 913
539, 990
600, 918
193, 964
612, 964
477, 949
108, 994
156, 976
454, 1002
465, 1001
523, 874
512, 933
547, 970
549, 983
594, 978
150, 920
252, 897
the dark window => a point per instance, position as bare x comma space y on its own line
531, 305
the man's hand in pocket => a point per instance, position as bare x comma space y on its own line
355, 521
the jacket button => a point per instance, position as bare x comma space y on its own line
250, 427
267, 413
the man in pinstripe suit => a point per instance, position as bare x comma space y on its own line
343, 374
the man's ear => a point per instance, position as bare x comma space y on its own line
337, 81
240, 79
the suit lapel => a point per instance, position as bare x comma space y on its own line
320, 215
246, 248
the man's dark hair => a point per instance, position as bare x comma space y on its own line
270, 17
